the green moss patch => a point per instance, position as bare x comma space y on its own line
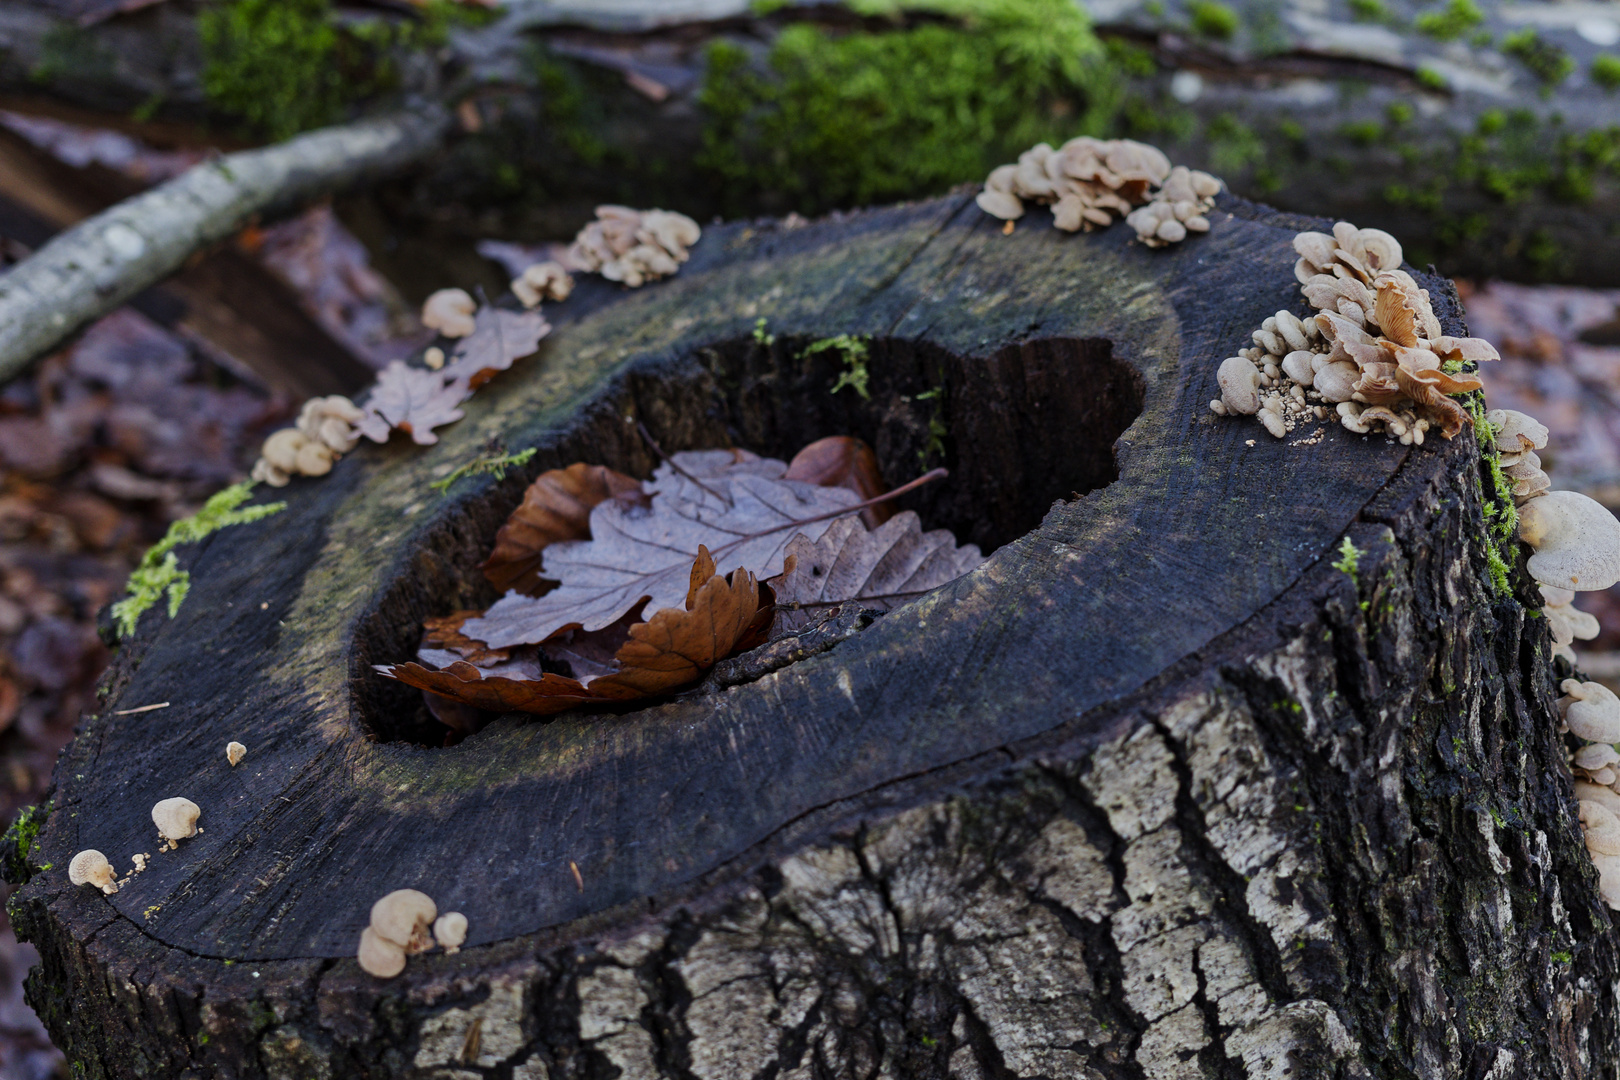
826, 119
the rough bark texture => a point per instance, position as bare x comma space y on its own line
95, 266
1158, 792
1480, 149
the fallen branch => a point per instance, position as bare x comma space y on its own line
94, 267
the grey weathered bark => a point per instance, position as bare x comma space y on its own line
94, 267
1170, 788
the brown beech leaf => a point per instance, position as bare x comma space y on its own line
412, 399
847, 462
850, 563
674, 647
444, 632
499, 337
733, 505
557, 506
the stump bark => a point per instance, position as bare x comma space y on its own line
1170, 788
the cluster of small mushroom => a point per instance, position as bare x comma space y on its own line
324, 432
1374, 353
400, 926
1177, 208
634, 246
176, 820
1089, 181
543, 281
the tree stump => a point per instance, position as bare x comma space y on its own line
1169, 788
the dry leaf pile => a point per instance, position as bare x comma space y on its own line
621, 589
1374, 354
1088, 182
634, 246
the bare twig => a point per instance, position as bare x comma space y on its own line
667, 460
98, 264
141, 709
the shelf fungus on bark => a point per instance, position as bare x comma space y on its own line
234, 753
401, 925
1567, 623
176, 820
90, 867
450, 312
1576, 541
634, 246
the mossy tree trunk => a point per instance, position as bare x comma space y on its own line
1483, 134
1177, 785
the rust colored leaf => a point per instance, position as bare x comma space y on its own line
557, 506
673, 648
499, 337
847, 462
444, 632
412, 399
850, 563
736, 507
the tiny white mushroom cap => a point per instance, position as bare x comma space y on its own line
234, 752
1297, 364
450, 930
1577, 541
1240, 385
90, 867
450, 312
378, 956
1591, 710
403, 917
1602, 828
176, 819
1608, 868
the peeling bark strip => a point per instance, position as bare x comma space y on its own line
94, 267
1156, 793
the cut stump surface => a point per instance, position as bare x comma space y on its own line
1157, 791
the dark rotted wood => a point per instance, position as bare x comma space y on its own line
990, 835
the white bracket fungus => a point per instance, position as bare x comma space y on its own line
542, 281
176, 820
90, 867
450, 312
450, 931
1576, 541
1590, 710
234, 752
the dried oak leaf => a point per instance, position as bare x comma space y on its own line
669, 650
850, 563
732, 504
412, 399
498, 339
847, 462
557, 506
